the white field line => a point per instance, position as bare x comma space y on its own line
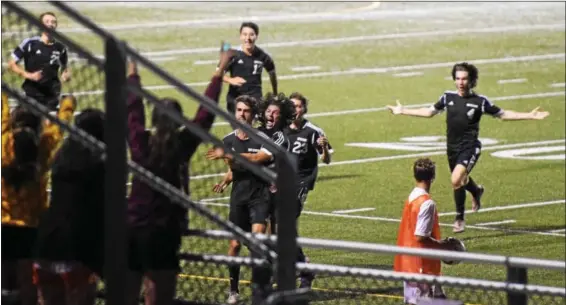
214, 199
285, 18
387, 219
408, 74
396, 220
512, 81
353, 39
494, 223
353, 211
442, 152
510, 207
357, 71
366, 38
558, 85
305, 68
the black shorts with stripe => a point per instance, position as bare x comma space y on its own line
467, 157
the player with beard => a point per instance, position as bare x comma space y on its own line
250, 204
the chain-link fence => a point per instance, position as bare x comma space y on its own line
202, 277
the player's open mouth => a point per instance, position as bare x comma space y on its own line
269, 124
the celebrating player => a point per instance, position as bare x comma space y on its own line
464, 110
246, 68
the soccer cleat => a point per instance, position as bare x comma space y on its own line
459, 226
476, 203
233, 298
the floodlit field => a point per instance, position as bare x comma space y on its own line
352, 59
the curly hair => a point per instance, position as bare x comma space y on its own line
286, 107
424, 169
473, 73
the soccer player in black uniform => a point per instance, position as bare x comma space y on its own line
246, 68
43, 57
308, 142
275, 113
464, 109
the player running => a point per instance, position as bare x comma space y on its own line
464, 109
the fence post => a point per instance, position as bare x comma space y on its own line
115, 255
286, 201
518, 276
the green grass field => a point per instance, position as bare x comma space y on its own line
360, 68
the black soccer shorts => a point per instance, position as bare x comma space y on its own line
467, 157
245, 215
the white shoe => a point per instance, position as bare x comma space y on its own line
233, 298
459, 226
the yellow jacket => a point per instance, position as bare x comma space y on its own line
24, 207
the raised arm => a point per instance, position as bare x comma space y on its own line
52, 133
137, 135
203, 117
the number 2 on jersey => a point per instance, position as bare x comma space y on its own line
299, 147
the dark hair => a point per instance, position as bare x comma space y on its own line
73, 158
424, 169
285, 105
250, 25
302, 98
163, 143
91, 120
249, 101
25, 167
46, 14
473, 72
22, 117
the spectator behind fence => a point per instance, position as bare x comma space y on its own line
155, 223
70, 245
28, 147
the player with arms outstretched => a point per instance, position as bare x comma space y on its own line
464, 109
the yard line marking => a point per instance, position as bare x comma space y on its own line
395, 157
408, 74
357, 71
557, 231
206, 62
305, 68
558, 85
510, 207
493, 223
512, 81
387, 219
350, 39
217, 204
426, 154
214, 199
286, 18
353, 211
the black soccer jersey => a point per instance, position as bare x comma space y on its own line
48, 58
463, 115
304, 144
246, 185
249, 67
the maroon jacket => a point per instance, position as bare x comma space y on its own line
146, 206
